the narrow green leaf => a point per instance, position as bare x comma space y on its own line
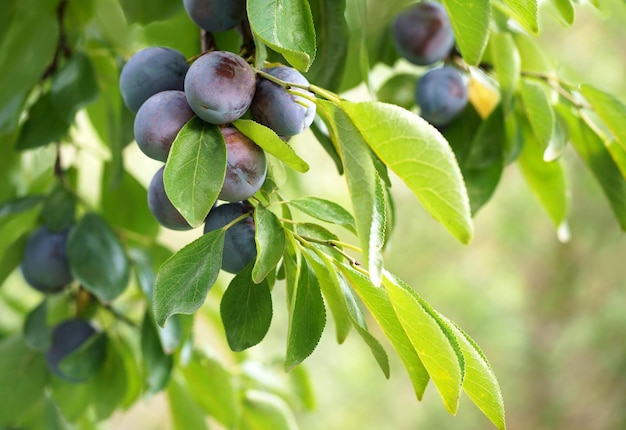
264, 411
186, 414
43, 126
420, 156
184, 280
321, 134
157, 365
564, 11
525, 12
271, 143
307, 318
315, 231
74, 86
36, 332
195, 169
379, 304
538, 110
19, 205
611, 110
97, 257
269, 237
617, 153
507, 64
246, 310
593, 152
286, 27
377, 234
470, 22
438, 349
325, 210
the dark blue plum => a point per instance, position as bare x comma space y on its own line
67, 337
246, 166
239, 245
219, 87
151, 71
45, 266
159, 120
441, 95
422, 33
274, 107
216, 15
161, 207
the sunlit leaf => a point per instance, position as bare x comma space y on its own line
269, 238
325, 210
611, 110
525, 12
470, 22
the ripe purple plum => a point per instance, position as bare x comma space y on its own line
159, 120
216, 15
161, 206
151, 71
45, 266
239, 245
246, 166
285, 113
422, 33
441, 95
219, 87
67, 337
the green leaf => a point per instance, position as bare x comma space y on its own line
480, 383
286, 27
184, 280
11, 256
436, 346
74, 86
269, 237
186, 414
470, 22
87, 360
507, 64
332, 36
246, 310
533, 57
37, 334
26, 373
379, 304
111, 383
271, 143
307, 318
19, 205
157, 365
205, 373
325, 210
399, 90
43, 126
525, 12
611, 110
538, 110
564, 11
321, 134
97, 258
59, 209
146, 11
266, 411
420, 156
195, 169
597, 158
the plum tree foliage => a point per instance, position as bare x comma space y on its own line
219, 87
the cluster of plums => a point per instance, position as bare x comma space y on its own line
423, 35
219, 87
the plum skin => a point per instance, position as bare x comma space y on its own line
246, 166
45, 266
215, 15
279, 110
441, 95
67, 337
159, 120
422, 33
239, 246
151, 71
161, 206
219, 87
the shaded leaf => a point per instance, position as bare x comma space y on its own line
43, 126
269, 238
36, 333
157, 365
147, 11
74, 86
399, 90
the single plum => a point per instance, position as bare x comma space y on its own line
67, 337
45, 266
246, 166
216, 15
422, 33
220, 86
287, 114
159, 120
161, 207
151, 71
239, 245
441, 95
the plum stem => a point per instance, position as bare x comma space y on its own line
62, 46
334, 244
236, 220
328, 95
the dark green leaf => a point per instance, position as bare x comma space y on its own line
269, 237
186, 414
325, 210
37, 334
111, 383
157, 365
74, 86
399, 90
274, 21
184, 280
59, 209
195, 169
307, 318
246, 310
43, 126
146, 11
11, 257
97, 258
19, 205
87, 360
470, 22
